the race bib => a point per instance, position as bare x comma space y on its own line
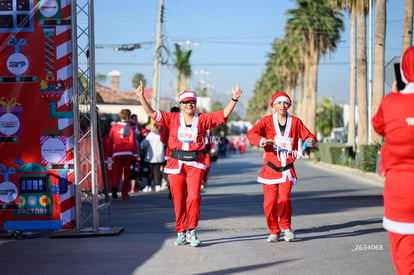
283, 143
187, 135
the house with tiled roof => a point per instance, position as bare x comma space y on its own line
113, 99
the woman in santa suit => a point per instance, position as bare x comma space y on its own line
122, 149
185, 166
395, 122
279, 134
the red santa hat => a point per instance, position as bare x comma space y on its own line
187, 96
280, 96
407, 69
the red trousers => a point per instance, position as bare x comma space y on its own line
277, 204
122, 166
402, 252
185, 191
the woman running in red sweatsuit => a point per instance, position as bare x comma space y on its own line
187, 135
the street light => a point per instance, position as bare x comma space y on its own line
127, 47
188, 43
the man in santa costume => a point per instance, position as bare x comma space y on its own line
279, 135
122, 149
185, 165
395, 122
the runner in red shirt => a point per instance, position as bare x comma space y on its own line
187, 135
279, 134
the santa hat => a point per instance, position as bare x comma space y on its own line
280, 96
407, 71
187, 96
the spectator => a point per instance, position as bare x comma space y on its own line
122, 149
154, 155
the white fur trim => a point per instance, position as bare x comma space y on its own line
281, 98
187, 94
398, 227
277, 181
158, 116
180, 164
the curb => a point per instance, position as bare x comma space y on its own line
352, 171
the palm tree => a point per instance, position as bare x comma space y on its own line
287, 65
329, 115
362, 11
319, 26
350, 6
379, 61
408, 25
182, 64
137, 78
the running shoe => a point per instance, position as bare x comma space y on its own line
273, 238
180, 238
192, 238
288, 235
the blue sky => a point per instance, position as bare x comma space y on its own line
230, 40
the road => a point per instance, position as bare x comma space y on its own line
337, 217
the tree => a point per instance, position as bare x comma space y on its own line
183, 67
362, 11
101, 77
379, 62
328, 116
319, 27
408, 25
360, 8
350, 6
136, 79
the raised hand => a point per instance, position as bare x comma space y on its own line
140, 89
236, 91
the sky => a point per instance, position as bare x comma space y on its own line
230, 42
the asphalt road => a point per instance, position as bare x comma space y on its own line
337, 217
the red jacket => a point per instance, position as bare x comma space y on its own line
172, 122
279, 157
119, 145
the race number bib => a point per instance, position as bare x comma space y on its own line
186, 135
283, 143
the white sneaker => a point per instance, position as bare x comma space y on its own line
288, 235
273, 238
157, 188
146, 189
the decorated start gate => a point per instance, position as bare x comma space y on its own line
49, 162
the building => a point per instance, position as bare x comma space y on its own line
114, 100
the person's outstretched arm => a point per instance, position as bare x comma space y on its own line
140, 93
230, 106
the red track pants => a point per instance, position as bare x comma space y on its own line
402, 252
277, 204
185, 190
122, 166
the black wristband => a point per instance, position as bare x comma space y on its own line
234, 99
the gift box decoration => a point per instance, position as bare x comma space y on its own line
10, 117
53, 147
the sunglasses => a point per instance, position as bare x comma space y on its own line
192, 102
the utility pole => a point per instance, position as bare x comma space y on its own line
157, 59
